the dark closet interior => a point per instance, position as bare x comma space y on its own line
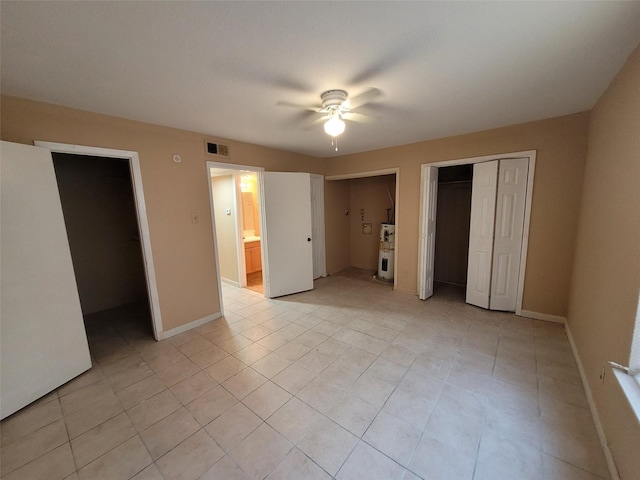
452, 224
102, 226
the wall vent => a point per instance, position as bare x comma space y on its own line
216, 149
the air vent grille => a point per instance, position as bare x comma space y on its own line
216, 149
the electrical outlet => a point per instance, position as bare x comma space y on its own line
195, 218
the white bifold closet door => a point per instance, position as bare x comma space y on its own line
495, 240
483, 210
428, 233
42, 336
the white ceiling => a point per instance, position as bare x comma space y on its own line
219, 68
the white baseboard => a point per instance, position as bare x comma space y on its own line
543, 316
613, 471
189, 326
231, 282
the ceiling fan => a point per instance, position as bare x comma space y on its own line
336, 108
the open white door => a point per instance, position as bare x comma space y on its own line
510, 207
428, 234
483, 209
42, 335
286, 247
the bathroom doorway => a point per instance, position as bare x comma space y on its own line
249, 214
236, 209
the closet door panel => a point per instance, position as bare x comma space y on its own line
507, 246
428, 234
43, 343
483, 204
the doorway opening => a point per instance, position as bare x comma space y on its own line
235, 197
123, 185
250, 214
369, 229
453, 218
284, 238
99, 211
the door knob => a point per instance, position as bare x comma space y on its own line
308, 239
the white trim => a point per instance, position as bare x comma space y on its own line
141, 210
613, 471
396, 214
264, 238
396, 222
214, 239
542, 316
529, 154
484, 158
232, 166
238, 207
631, 389
317, 205
190, 325
422, 234
525, 232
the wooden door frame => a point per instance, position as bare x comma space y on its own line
424, 207
141, 214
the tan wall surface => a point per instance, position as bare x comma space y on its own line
561, 149
226, 234
183, 252
606, 274
337, 225
370, 194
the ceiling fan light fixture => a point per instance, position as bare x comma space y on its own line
334, 126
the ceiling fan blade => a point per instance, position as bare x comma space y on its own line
313, 124
404, 50
357, 117
310, 108
364, 98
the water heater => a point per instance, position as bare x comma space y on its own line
387, 251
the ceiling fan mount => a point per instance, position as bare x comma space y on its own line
334, 99
336, 107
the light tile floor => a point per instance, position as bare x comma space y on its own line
350, 381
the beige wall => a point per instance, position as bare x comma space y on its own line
606, 275
370, 194
337, 225
183, 252
223, 194
561, 149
